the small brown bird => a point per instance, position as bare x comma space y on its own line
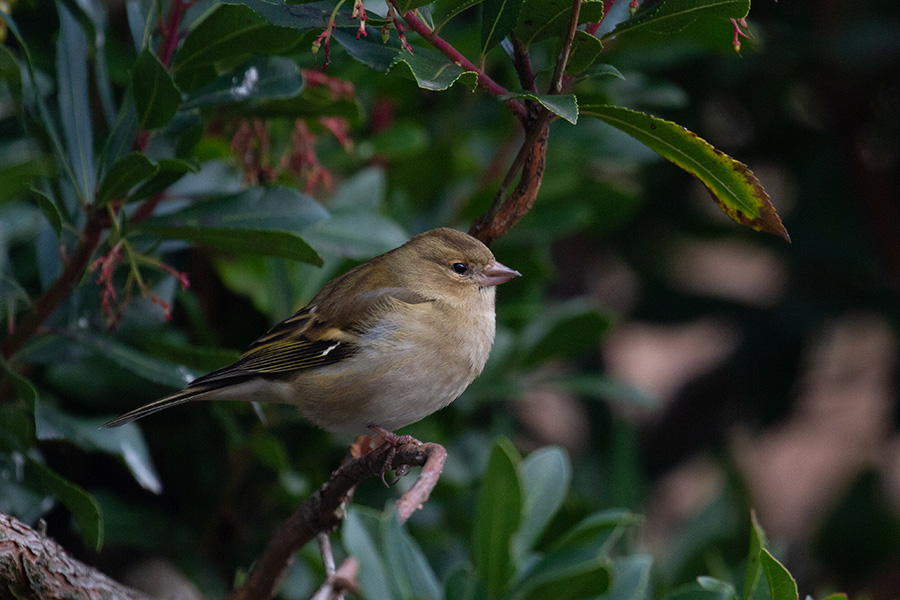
382, 346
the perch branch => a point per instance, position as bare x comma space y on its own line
321, 511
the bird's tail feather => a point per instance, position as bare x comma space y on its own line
175, 399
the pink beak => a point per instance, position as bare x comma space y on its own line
495, 274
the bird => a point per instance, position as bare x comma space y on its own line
380, 347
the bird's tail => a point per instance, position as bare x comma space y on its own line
175, 399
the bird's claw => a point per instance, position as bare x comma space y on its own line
394, 441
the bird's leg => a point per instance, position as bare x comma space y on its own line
394, 441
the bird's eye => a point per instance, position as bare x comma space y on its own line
460, 268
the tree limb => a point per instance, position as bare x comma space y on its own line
33, 567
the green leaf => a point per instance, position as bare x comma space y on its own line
262, 221
671, 16
563, 105
545, 475
146, 366
49, 209
450, 8
431, 70
497, 517
303, 17
723, 590
586, 49
569, 329
155, 96
373, 54
754, 567
732, 185
168, 171
781, 585
83, 506
464, 584
498, 17
630, 578
125, 443
11, 75
74, 105
228, 35
124, 129
543, 19
124, 174
359, 538
602, 387
266, 77
25, 390
410, 569
569, 574
599, 530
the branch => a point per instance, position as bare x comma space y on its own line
321, 511
506, 211
33, 567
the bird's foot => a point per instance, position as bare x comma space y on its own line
394, 441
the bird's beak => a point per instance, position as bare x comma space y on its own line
495, 274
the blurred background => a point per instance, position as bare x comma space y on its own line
693, 369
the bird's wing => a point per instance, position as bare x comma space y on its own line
313, 337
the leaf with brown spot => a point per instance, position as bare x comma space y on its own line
732, 185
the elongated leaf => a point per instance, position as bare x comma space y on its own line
373, 54
125, 443
168, 171
498, 17
545, 475
408, 565
781, 585
497, 517
358, 534
49, 209
586, 49
124, 174
74, 105
599, 530
264, 78
671, 16
447, 9
135, 361
563, 105
567, 575
630, 578
279, 244
543, 19
431, 70
155, 95
303, 17
732, 185
261, 221
464, 584
228, 35
124, 130
82, 505
603, 387
266, 209
754, 566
